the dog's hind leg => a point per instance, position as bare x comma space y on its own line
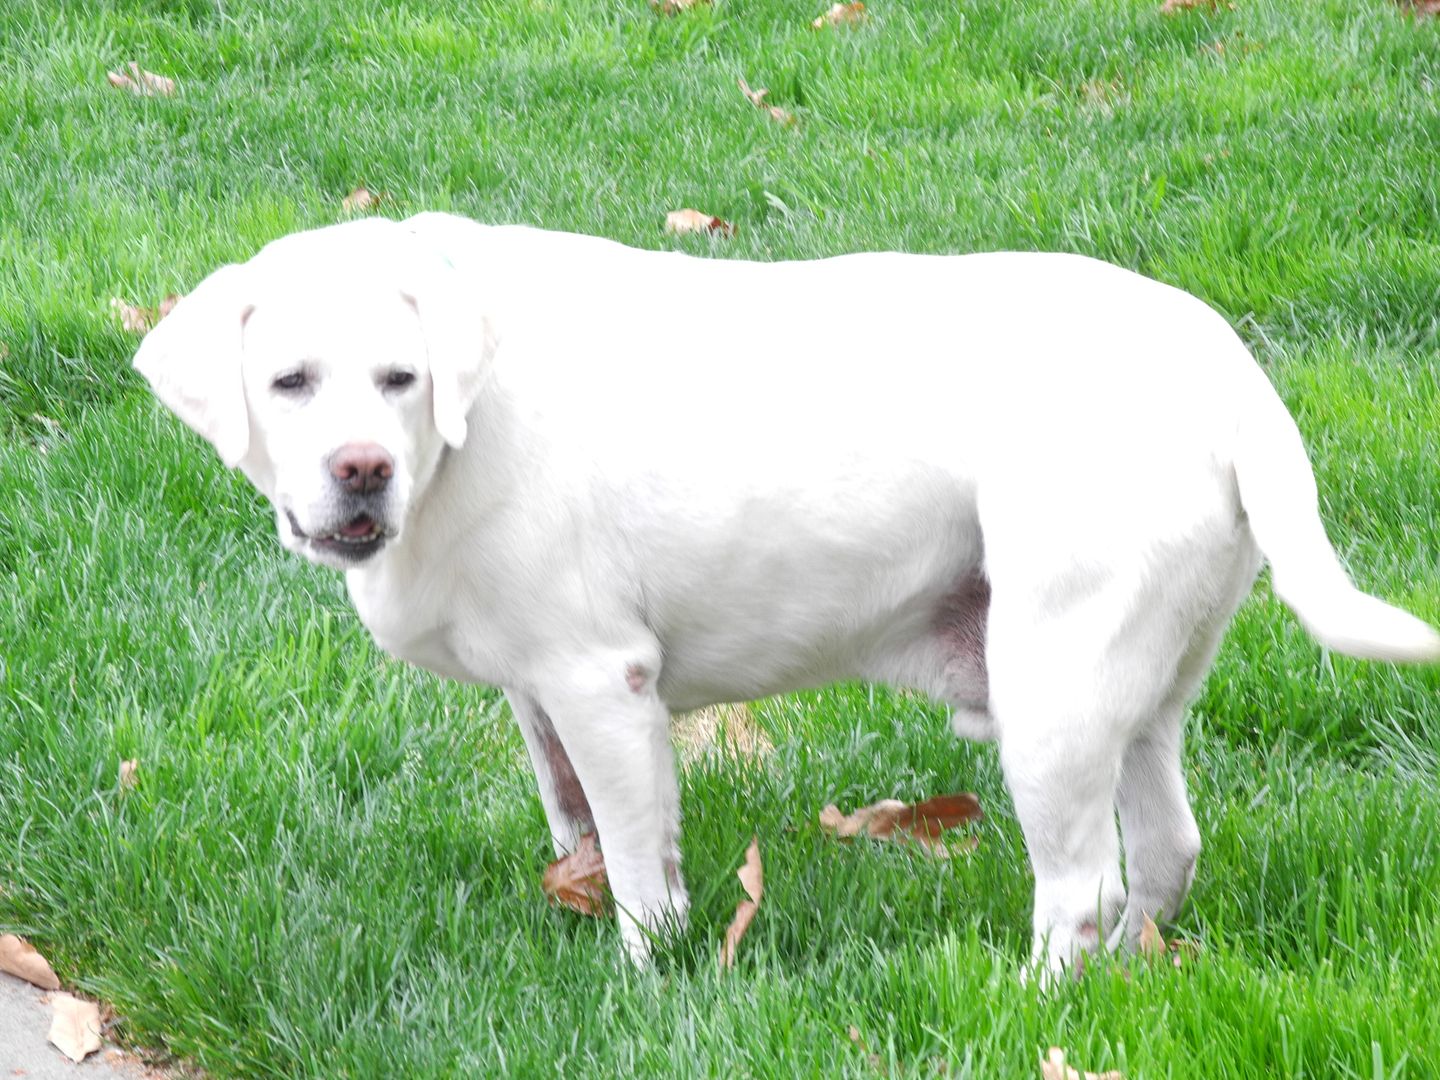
566, 808
1162, 841
1061, 762
1082, 657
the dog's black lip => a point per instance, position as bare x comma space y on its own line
353, 552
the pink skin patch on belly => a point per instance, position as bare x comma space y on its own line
960, 622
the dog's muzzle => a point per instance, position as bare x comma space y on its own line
354, 540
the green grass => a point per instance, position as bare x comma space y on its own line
330, 866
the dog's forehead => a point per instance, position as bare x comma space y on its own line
342, 317
334, 266
343, 291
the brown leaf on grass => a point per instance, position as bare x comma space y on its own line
1154, 947
577, 881
891, 819
752, 877
1174, 7
140, 320
1421, 7
757, 98
1151, 943
135, 319
21, 959
361, 200
689, 221
841, 15
674, 7
128, 777
1053, 1067
75, 1028
134, 78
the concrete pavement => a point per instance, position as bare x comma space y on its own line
25, 1053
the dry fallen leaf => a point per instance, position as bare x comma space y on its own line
1421, 7
1151, 943
76, 1026
140, 320
891, 819
360, 200
841, 15
128, 779
757, 98
23, 960
688, 221
752, 877
1154, 947
577, 881
674, 7
138, 81
132, 318
1053, 1067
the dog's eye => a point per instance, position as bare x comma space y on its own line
398, 380
289, 382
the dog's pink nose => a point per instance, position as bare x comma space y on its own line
363, 468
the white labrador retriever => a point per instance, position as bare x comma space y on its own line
619, 482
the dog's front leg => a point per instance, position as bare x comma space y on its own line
566, 809
615, 731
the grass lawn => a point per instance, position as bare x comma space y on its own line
330, 865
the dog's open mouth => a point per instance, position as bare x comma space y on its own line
358, 539
360, 529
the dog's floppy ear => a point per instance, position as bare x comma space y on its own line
458, 341
192, 362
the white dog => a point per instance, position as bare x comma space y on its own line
619, 482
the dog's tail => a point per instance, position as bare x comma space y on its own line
1277, 490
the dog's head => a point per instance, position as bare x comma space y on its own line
334, 368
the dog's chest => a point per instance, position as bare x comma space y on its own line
417, 618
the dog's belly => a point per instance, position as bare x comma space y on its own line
843, 585
779, 656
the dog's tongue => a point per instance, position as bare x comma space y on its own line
361, 526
